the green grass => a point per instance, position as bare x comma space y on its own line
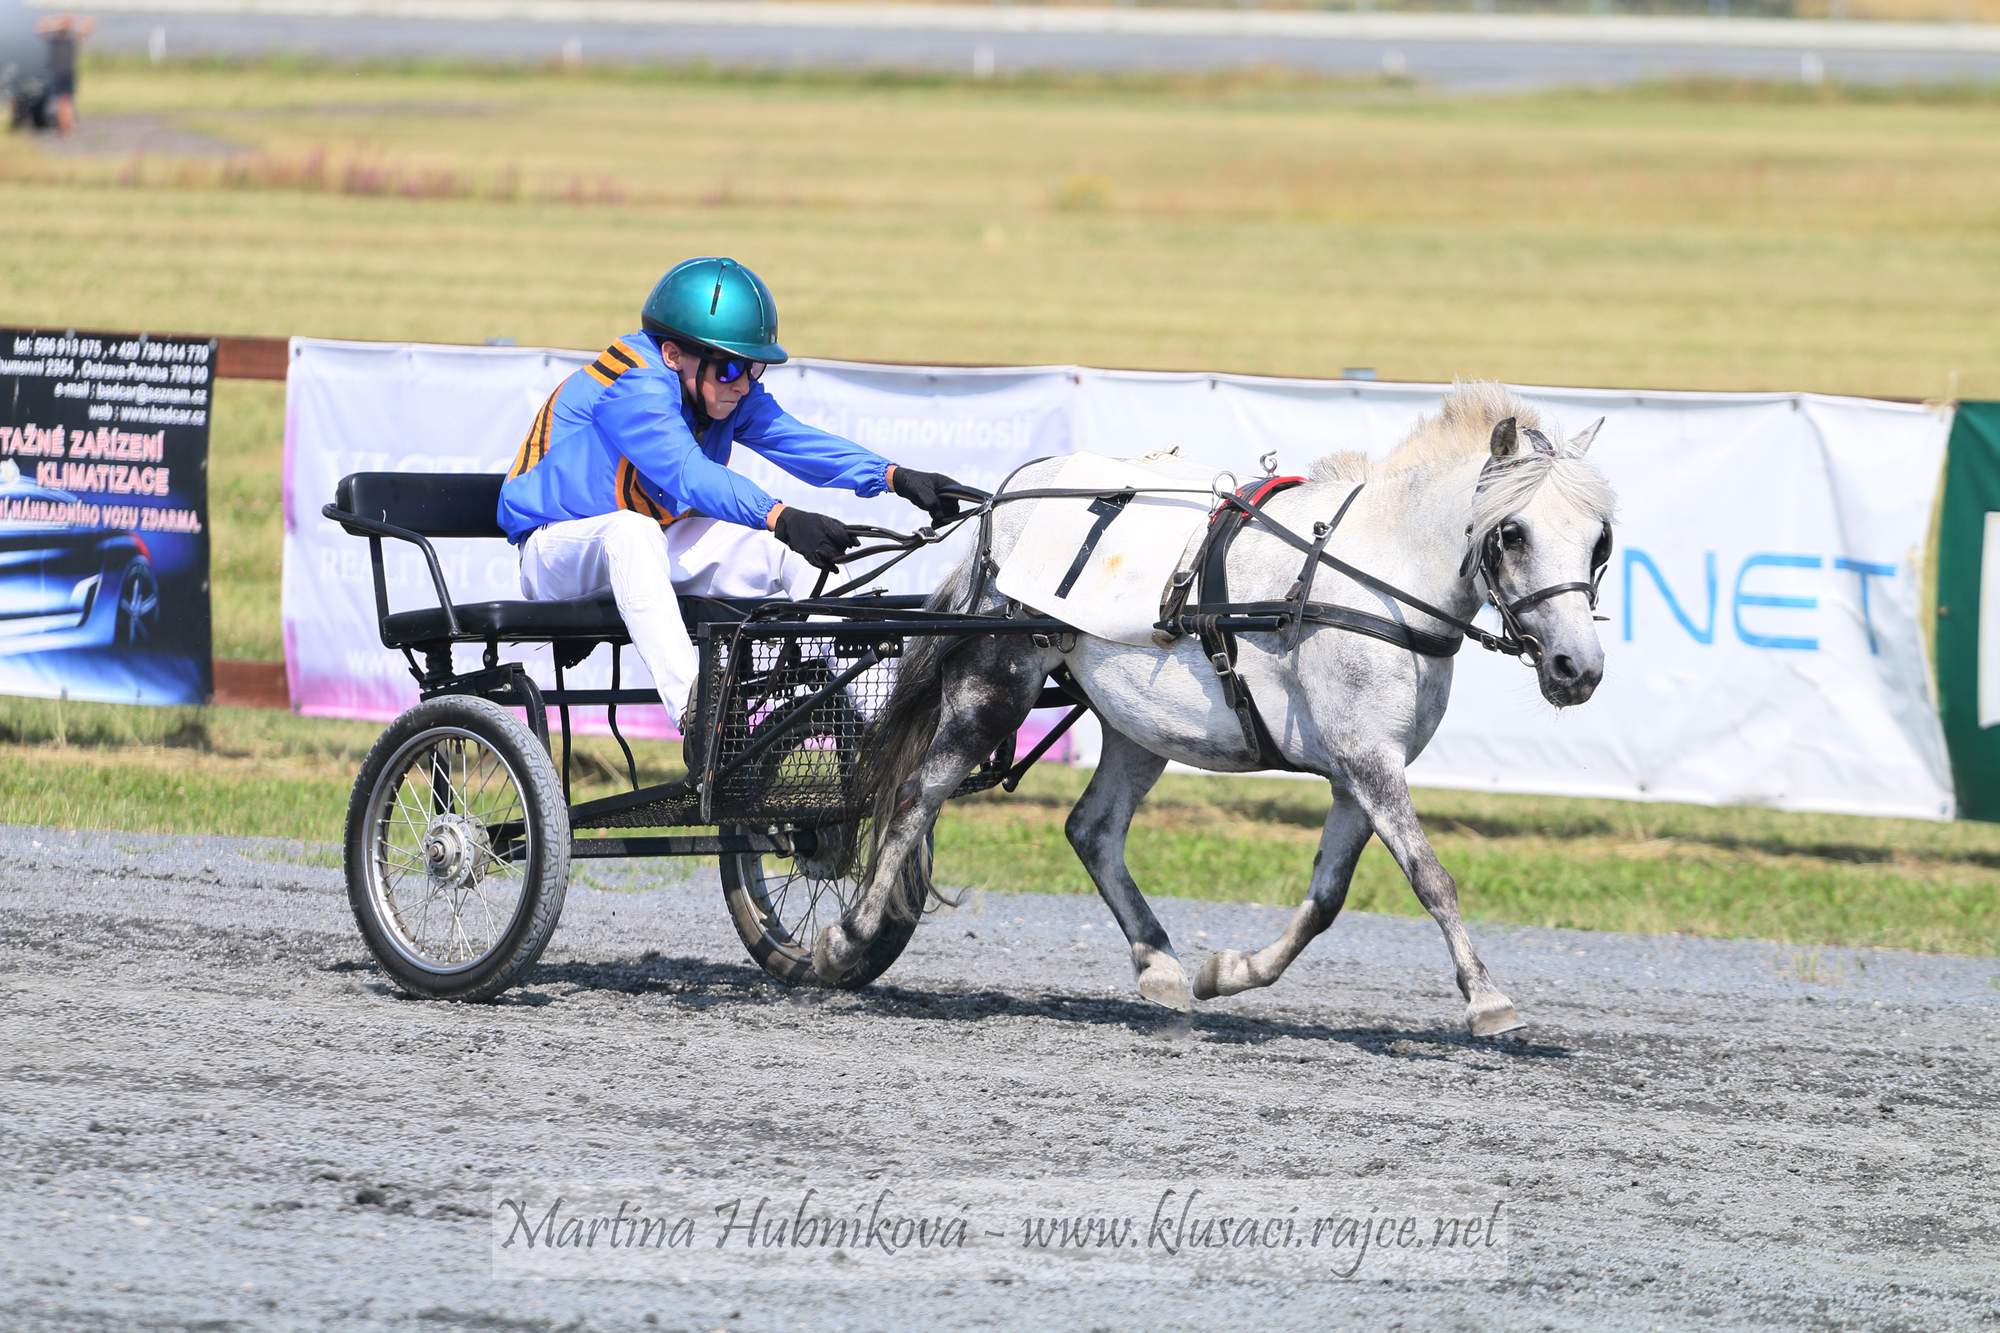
1599, 865
1709, 237
1689, 236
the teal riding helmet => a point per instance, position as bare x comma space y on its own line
715, 303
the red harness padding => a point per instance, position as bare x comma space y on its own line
1255, 492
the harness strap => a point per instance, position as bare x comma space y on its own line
1322, 533
1484, 638
1264, 617
1217, 640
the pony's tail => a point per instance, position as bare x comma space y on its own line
898, 739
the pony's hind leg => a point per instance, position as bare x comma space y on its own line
1341, 839
1097, 829
990, 687
1384, 793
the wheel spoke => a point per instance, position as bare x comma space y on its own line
492, 925
476, 803
812, 907
457, 932
793, 877
506, 868
403, 861
416, 819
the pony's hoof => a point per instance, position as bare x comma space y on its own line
1161, 979
1167, 987
1224, 972
1491, 1017
833, 955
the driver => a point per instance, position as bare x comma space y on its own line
623, 481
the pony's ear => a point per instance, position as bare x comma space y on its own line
1580, 444
1505, 442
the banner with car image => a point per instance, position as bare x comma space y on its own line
104, 516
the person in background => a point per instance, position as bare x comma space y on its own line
64, 33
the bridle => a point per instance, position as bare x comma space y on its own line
1484, 566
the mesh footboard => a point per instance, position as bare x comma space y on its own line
784, 742
786, 707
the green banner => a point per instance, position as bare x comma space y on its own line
1968, 610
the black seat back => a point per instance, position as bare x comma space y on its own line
436, 504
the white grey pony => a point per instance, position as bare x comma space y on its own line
1355, 709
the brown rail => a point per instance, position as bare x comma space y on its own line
249, 357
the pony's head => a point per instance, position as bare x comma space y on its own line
1538, 541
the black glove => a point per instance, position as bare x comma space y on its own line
821, 540
925, 490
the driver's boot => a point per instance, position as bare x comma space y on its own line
693, 742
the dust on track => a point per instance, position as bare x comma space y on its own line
216, 1109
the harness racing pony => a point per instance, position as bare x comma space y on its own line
1475, 504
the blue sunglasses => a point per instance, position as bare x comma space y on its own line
728, 369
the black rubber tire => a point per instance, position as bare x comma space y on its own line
545, 876
772, 945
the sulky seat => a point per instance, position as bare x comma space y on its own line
418, 506
584, 618
592, 618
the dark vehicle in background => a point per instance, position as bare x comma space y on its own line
28, 103
24, 69
63, 587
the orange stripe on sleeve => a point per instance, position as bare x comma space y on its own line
632, 494
536, 443
540, 448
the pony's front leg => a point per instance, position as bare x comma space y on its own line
1226, 972
1384, 793
1097, 828
987, 694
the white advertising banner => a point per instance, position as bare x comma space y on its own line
1762, 638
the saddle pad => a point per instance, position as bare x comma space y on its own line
1102, 564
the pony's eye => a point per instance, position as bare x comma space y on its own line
1513, 536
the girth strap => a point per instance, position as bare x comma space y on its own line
1211, 564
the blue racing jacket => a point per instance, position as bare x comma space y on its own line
618, 435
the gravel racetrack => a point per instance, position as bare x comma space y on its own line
217, 1112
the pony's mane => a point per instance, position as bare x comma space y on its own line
1462, 431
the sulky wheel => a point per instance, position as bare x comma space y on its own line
779, 903
458, 847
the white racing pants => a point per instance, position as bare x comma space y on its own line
644, 565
